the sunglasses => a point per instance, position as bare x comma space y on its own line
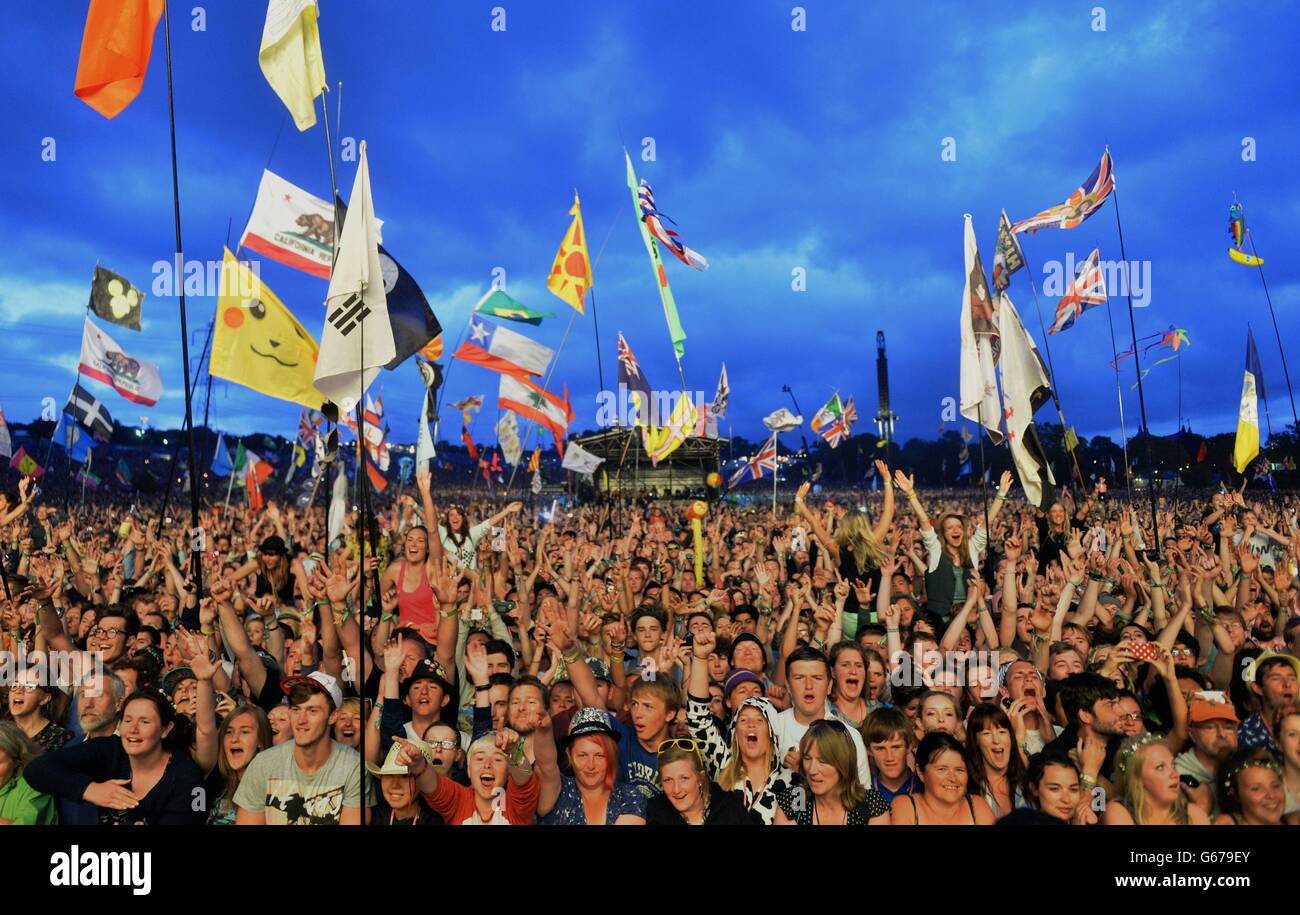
679, 743
443, 744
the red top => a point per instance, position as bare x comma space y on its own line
455, 803
416, 607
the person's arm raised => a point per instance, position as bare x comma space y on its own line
236, 639
887, 512
206, 747
818, 530
584, 681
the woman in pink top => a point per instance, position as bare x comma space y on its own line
409, 576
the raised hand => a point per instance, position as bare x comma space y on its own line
904, 482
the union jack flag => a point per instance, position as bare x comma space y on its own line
842, 428
671, 240
306, 427
765, 459
1078, 206
1087, 290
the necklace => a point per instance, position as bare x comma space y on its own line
817, 816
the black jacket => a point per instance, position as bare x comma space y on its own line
726, 808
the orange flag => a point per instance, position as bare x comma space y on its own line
433, 349
571, 273
115, 52
535, 462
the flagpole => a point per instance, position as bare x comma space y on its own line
546, 384
1077, 480
1268, 417
1281, 352
196, 543
776, 466
1137, 368
984, 486
1119, 397
230, 485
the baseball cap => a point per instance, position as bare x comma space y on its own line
175, 678
1204, 708
318, 680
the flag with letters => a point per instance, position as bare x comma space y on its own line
103, 360
1007, 258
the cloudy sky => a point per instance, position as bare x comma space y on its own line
774, 149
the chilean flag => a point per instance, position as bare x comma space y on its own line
500, 349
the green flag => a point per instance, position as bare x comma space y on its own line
241, 458
499, 305
675, 330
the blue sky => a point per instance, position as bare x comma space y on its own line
775, 149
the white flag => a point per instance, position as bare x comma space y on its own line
508, 437
103, 360
6, 445
358, 339
979, 345
424, 450
1025, 388
536, 485
782, 421
579, 459
338, 505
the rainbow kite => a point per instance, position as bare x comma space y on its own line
1237, 228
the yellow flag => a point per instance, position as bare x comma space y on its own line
571, 273
661, 441
258, 343
291, 59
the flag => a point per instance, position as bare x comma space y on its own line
469, 443
290, 57
535, 462
413, 322
221, 459
580, 460
719, 406
253, 471
671, 240
431, 375
661, 441
103, 360
535, 485
497, 304
71, 438
1007, 258
1071, 438
963, 458
433, 349
1087, 289
89, 413
508, 438
1237, 229
675, 331
499, 349
122, 473
826, 422
979, 345
633, 380
541, 407
25, 464
258, 343
782, 420
571, 273
88, 479
469, 406
1202, 452
754, 466
115, 52
1025, 388
1078, 206
375, 471
113, 298
1246, 447
357, 340
294, 227
6, 443
338, 506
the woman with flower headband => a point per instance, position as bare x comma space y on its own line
1151, 791
1286, 727
1251, 788
689, 797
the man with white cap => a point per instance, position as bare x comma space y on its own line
311, 780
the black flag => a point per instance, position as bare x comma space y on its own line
114, 299
90, 414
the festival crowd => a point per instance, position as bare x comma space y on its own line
920, 659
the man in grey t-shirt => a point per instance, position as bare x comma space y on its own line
312, 780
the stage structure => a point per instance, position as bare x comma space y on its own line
627, 466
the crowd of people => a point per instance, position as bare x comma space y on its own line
842, 659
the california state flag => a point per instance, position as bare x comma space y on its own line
532, 403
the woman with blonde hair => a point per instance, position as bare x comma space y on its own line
831, 794
857, 547
20, 803
1150, 789
689, 797
950, 552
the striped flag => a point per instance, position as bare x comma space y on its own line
765, 459
500, 349
539, 406
671, 240
1086, 291
1085, 201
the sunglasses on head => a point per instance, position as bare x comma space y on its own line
679, 743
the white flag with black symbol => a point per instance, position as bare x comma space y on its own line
358, 339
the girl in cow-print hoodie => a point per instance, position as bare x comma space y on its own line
747, 762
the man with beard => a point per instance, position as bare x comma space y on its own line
1092, 708
311, 780
1213, 734
105, 645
